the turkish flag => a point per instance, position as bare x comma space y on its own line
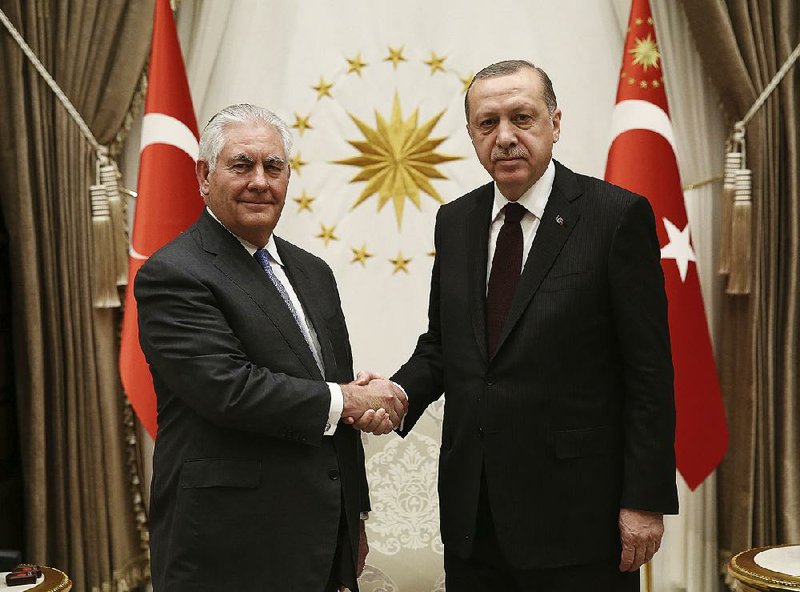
168, 200
642, 159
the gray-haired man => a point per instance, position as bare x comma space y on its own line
254, 486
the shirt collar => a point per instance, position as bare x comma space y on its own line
271, 247
534, 199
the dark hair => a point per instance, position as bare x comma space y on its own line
507, 67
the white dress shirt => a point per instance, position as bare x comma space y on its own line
533, 200
337, 400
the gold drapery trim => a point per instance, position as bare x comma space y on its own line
135, 106
129, 577
135, 474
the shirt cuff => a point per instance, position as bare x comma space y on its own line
364, 515
402, 419
335, 412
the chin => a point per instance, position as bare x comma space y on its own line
517, 180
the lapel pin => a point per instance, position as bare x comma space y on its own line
559, 220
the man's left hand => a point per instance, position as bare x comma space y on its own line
363, 547
640, 533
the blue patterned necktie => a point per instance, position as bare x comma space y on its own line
262, 256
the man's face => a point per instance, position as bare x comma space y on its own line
511, 129
247, 189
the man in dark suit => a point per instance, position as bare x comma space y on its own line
547, 331
254, 485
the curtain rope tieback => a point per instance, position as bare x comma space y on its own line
737, 194
107, 210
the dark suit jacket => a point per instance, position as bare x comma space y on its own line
573, 418
246, 491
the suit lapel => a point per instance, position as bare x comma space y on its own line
244, 271
558, 220
478, 239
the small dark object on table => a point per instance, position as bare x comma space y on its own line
23, 574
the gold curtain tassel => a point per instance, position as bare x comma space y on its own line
739, 277
733, 162
109, 177
104, 286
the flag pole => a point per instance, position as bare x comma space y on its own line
648, 577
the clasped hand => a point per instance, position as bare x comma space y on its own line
373, 404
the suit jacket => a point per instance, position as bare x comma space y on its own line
246, 492
573, 417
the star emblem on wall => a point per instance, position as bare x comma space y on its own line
395, 56
327, 234
435, 63
361, 255
297, 163
400, 263
301, 124
355, 64
323, 88
397, 154
678, 248
304, 202
398, 159
466, 81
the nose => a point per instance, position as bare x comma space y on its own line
259, 181
506, 136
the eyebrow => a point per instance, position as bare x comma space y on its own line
242, 157
275, 160
268, 161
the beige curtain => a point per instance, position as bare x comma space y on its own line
78, 499
744, 42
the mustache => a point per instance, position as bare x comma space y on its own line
511, 153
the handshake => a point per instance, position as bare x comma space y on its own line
373, 404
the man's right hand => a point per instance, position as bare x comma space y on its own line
376, 407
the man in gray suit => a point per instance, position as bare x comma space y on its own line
256, 485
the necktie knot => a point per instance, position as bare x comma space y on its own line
514, 212
262, 256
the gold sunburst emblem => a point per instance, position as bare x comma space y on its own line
398, 159
645, 53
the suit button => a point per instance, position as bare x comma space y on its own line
489, 380
480, 432
334, 475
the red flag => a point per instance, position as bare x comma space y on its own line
168, 200
642, 159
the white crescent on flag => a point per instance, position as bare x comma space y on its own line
134, 254
158, 128
636, 114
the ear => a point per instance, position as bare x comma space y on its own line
556, 125
202, 172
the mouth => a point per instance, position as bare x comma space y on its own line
253, 202
506, 161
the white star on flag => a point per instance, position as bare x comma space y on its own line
679, 247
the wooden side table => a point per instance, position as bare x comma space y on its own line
767, 569
54, 580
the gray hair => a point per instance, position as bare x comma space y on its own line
213, 137
507, 67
